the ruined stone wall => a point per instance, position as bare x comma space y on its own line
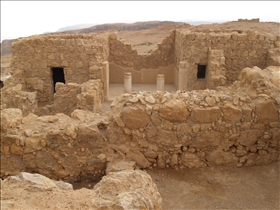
15, 97
241, 49
232, 126
80, 56
57, 146
124, 58
238, 125
85, 96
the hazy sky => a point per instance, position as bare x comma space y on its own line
25, 18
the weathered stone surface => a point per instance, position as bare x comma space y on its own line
126, 190
218, 158
191, 160
10, 118
38, 182
266, 111
205, 115
134, 117
209, 139
250, 137
184, 129
231, 113
120, 165
164, 138
139, 158
174, 111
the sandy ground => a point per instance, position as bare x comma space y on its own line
219, 187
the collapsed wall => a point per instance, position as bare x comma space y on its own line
77, 58
238, 125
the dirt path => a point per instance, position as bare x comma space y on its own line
219, 188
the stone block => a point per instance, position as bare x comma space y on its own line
205, 115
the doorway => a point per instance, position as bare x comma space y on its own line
201, 71
57, 76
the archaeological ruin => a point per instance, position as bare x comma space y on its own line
224, 110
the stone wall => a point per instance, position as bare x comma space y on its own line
240, 48
57, 146
82, 58
123, 54
85, 96
238, 125
15, 97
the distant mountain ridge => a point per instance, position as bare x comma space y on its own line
123, 26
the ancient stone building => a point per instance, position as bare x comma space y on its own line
188, 59
226, 110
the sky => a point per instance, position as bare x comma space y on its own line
26, 18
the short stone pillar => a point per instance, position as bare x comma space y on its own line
160, 82
127, 82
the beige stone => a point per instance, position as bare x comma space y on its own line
192, 161
127, 190
205, 115
134, 117
266, 111
231, 113
174, 111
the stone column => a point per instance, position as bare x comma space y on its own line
105, 67
160, 82
127, 82
182, 76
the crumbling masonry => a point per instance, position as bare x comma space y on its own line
225, 110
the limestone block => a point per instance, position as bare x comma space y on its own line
192, 160
127, 190
37, 182
120, 165
249, 137
10, 118
266, 111
134, 117
164, 138
32, 144
174, 111
208, 139
139, 158
221, 158
231, 113
205, 115
184, 129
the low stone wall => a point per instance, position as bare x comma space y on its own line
124, 55
238, 125
57, 146
233, 126
71, 96
15, 97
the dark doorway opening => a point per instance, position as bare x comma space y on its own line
57, 76
201, 70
